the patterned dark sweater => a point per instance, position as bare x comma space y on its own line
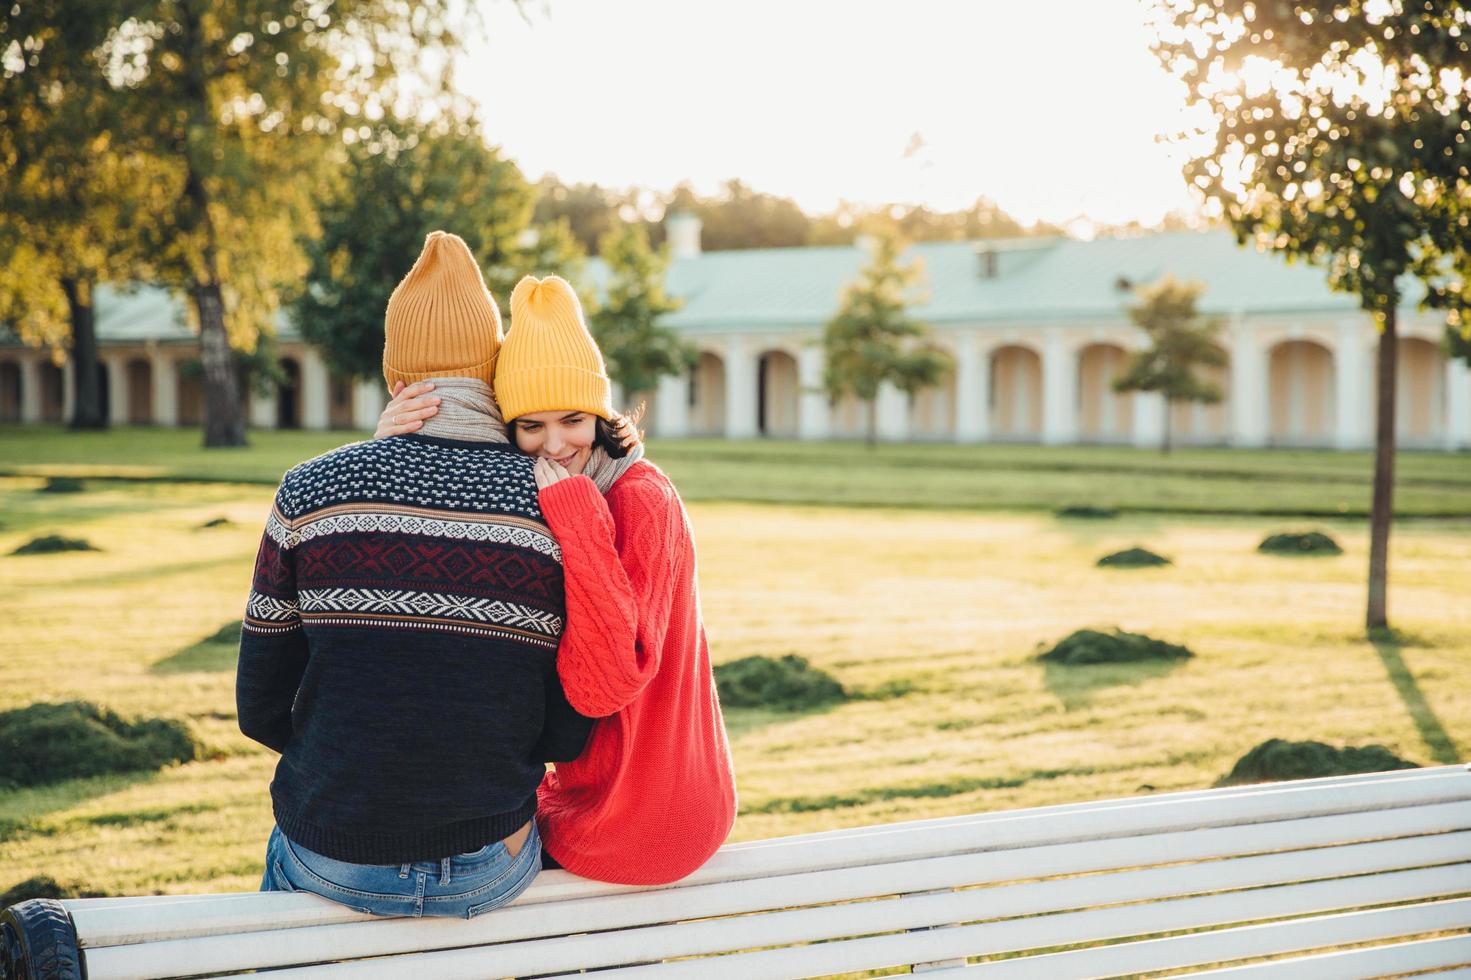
399, 649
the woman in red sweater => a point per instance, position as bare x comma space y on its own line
652, 797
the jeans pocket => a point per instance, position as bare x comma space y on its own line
279, 879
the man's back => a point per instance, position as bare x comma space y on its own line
399, 649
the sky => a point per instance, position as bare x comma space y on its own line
1050, 108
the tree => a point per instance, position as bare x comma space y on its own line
872, 339
392, 191
72, 188
1180, 340
243, 100
638, 351
1336, 131
589, 211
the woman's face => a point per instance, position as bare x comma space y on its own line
566, 437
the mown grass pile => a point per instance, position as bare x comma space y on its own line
1278, 759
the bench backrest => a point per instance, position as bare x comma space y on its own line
1188, 879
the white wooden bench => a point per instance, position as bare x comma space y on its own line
1355, 876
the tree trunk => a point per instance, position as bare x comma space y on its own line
224, 418
88, 412
871, 437
1383, 508
1169, 411
224, 415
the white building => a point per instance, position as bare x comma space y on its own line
1037, 329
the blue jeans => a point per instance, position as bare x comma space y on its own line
463, 885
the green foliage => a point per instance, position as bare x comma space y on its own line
587, 211
740, 217
46, 743
1304, 543
1095, 647
50, 544
917, 223
787, 683
1180, 341
44, 886
394, 189
1133, 558
62, 484
1278, 759
1458, 342
872, 339
1320, 161
638, 351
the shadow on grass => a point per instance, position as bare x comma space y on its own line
1076, 684
214, 653
21, 809
1388, 644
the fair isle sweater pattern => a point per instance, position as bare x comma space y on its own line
317, 525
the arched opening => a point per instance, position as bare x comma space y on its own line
777, 395
1016, 393
339, 402
1419, 409
707, 396
1301, 379
1196, 423
10, 394
932, 415
53, 393
288, 395
1104, 415
140, 391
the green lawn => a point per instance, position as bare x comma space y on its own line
933, 613
991, 477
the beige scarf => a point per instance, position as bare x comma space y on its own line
468, 411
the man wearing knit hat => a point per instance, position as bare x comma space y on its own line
399, 643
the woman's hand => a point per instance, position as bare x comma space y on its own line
548, 471
408, 409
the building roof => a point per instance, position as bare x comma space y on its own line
1037, 281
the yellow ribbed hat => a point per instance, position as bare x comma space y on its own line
549, 361
441, 320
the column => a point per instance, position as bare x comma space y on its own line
1248, 387
315, 393
117, 390
740, 390
1149, 419
814, 417
263, 409
1351, 372
672, 406
892, 422
1059, 390
368, 399
1457, 403
972, 391
165, 389
68, 392
30, 389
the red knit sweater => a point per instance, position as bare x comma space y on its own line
652, 796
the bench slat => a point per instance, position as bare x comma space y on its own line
382, 937
1357, 964
860, 930
1275, 938
1454, 771
111, 925
525, 921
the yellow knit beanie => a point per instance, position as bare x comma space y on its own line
549, 361
441, 320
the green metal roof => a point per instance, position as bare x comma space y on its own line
1037, 281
